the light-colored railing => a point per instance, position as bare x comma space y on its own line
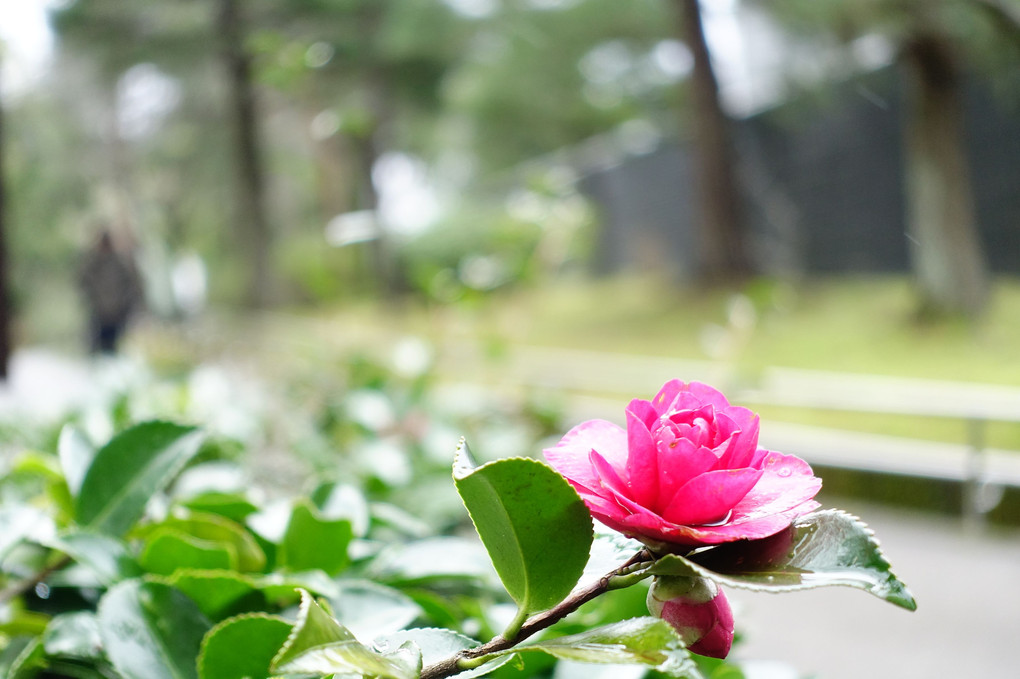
597, 384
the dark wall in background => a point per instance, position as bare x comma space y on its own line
823, 185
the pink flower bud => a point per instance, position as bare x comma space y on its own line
697, 609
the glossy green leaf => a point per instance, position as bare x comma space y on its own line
821, 549
314, 628
352, 659
76, 453
314, 542
73, 635
29, 661
533, 524
20, 522
228, 505
129, 470
282, 588
318, 644
151, 630
642, 641
214, 591
242, 647
369, 609
433, 560
106, 557
212, 528
440, 644
169, 549
343, 501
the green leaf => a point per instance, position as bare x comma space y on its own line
369, 609
76, 453
19, 522
433, 560
820, 549
282, 588
229, 505
151, 630
169, 549
73, 635
318, 644
314, 542
219, 530
533, 524
642, 641
28, 662
440, 644
349, 658
106, 557
130, 469
214, 591
242, 647
314, 628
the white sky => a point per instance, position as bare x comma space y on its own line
27, 41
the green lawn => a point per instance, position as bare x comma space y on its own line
862, 325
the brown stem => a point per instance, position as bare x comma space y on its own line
20, 587
451, 666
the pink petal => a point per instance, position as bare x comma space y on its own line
570, 456
707, 394
644, 411
611, 479
680, 464
710, 497
642, 462
787, 482
664, 399
742, 446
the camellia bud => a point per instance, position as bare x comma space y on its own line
697, 609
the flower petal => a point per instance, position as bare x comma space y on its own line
742, 446
709, 497
663, 401
570, 456
787, 482
678, 464
642, 462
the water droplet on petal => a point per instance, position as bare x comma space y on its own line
721, 522
785, 471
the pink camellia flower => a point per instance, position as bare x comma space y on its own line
687, 471
697, 609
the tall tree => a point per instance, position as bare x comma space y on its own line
947, 258
723, 250
934, 40
5, 301
250, 209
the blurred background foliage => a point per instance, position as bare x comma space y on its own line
393, 167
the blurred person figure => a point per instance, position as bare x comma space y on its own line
112, 290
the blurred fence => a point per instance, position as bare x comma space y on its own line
823, 185
970, 478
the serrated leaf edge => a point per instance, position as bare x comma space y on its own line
723, 579
200, 661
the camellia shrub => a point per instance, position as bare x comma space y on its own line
113, 566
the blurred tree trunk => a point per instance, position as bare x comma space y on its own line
945, 247
5, 297
723, 250
368, 148
250, 213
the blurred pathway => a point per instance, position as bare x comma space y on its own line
967, 586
